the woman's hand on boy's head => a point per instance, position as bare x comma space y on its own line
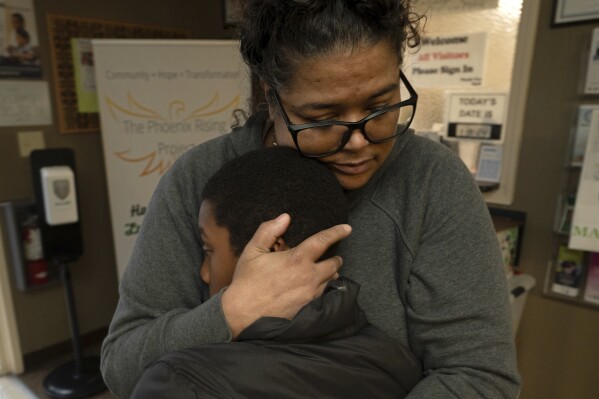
278, 284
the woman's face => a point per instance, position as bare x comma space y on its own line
346, 86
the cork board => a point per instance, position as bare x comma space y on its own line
61, 30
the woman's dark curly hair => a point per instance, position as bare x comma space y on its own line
276, 35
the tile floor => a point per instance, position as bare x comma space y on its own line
12, 388
33, 378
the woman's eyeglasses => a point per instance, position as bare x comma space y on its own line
319, 139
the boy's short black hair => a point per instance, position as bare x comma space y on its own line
265, 183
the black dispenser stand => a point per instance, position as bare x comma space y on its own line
80, 377
62, 244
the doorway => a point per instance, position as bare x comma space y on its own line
11, 358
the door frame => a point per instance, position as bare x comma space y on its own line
11, 356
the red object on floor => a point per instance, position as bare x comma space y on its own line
37, 272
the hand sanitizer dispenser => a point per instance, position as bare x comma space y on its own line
54, 184
60, 196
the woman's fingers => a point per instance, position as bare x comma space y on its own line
278, 284
328, 269
316, 245
267, 234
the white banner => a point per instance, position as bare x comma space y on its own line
157, 99
584, 234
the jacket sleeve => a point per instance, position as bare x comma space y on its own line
459, 320
161, 381
160, 307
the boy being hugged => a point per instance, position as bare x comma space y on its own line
328, 349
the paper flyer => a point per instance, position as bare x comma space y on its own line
489, 164
569, 270
583, 124
584, 234
85, 79
591, 85
24, 103
591, 291
453, 6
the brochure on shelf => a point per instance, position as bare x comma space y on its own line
591, 84
565, 218
583, 124
591, 291
584, 234
569, 270
489, 163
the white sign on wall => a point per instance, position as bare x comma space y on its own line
476, 115
157, 99
448, 61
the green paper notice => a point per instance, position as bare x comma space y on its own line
85, 79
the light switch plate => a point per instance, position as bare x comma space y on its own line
29, 141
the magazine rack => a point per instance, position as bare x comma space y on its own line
567, 270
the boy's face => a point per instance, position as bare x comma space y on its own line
219, 260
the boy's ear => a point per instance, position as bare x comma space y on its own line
205, 273
279, 245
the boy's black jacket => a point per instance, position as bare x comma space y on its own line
328, 350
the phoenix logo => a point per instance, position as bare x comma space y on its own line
137, 118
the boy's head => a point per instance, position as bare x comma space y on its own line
257, 187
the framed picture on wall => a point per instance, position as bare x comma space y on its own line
231, 9
73, 117
575, 11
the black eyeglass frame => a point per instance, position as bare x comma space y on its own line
294, 129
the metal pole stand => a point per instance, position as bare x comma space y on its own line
80, 377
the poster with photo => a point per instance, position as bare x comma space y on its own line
19, 45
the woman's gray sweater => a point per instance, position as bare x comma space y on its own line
423, 248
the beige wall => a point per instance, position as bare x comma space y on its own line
41, 314
557, 341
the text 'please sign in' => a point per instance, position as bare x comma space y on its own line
449, 61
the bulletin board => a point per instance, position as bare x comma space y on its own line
61, 30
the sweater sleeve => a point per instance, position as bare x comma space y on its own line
459, 320
160, 308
